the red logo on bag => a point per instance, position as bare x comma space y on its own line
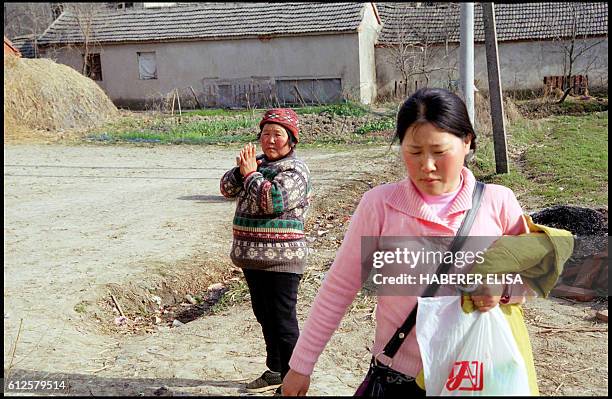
470, 372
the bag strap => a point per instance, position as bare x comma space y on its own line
398, 338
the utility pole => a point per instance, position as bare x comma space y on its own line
466, 57
495, 90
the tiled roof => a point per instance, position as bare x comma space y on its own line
515, 21
25, 44
209, 21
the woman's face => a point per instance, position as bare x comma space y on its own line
434, 158
274, 141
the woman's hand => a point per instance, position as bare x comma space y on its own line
485, 302
247, 160
484, 299
295, 384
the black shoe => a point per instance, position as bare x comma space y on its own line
267, 382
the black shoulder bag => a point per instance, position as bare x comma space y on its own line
378, 375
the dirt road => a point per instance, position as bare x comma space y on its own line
77, 218
80, 217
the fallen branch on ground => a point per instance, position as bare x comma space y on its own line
577, 371
117, 304
10, 367
97, 370
554, 329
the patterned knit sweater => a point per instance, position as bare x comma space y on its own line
269, 220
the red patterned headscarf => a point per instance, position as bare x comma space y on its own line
285, 117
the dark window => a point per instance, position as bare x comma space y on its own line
124, 5
93, 67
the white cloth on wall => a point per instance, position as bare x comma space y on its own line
147, 65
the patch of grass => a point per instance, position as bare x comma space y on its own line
222, 112
81, 307
562, 160
214, 127
342, 109
313, 109
543, 107
195, 132
582, 106
377, 125
237, 293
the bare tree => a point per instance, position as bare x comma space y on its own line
422, 48
28, 20
573, 43
85, 15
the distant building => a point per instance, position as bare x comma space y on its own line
532, 39
230, 55
256, 54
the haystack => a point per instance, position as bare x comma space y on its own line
40, 94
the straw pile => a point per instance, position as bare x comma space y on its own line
40, 94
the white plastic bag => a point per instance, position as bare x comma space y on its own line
470, 354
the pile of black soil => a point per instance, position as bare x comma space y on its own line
590, 230
580, 221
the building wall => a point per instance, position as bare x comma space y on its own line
523, 65
368, 33
443, 64
184, 64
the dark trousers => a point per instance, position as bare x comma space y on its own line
273, 298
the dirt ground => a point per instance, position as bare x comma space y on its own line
82, 222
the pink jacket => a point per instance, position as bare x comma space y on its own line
395, 210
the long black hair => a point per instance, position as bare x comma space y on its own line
442, 108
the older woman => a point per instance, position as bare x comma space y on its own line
436, 136
273, 193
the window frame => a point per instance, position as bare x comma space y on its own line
91, 66
138, 54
